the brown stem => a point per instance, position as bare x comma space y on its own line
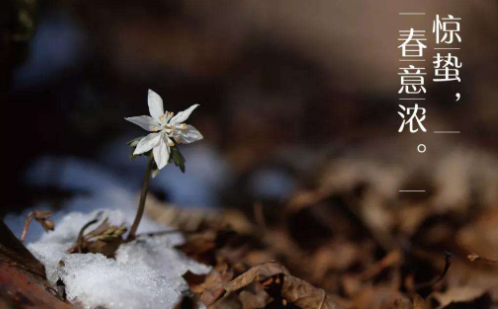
447, 264
79, 241
143, 196
474, 257
26, 226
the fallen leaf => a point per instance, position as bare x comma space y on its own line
254, 301
105, 239
420, 303
212, 288
459, 295
294, 290
14, 253
22, 289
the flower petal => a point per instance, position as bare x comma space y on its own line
147, 143
145, 122
182, 116
161, 153
189, 135
156, 107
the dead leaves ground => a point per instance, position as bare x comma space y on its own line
339, 243
346, 244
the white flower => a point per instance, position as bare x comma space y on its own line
167, 129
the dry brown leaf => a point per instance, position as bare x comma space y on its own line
22, 289
105, 239
254, 301
294, 290
336, 256
22, 277
306, 296
458, 295
391, 259
14, 253
212, 288
380, 297
257, 273
403, 303
483, 302
420, 303
480, 236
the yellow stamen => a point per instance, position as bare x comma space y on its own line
154, 128
171, 143
184, 127
161, 117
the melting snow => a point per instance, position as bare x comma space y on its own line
146, 273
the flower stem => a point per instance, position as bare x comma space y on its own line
143, 196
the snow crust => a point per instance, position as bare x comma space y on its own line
146, 273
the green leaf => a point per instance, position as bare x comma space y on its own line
134, 142
177, 158
155, 173
132, 156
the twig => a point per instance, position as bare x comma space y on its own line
391, 259
29, 218
447, 264
79, 240
474, 257
42, 218
143, 196
160, 233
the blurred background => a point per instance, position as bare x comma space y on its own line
299, 103
294, 95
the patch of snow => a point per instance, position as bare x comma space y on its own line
146, 273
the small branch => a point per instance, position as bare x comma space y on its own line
41, 217
176, 230
474, 257
391, 259
29, 218
79, 241
77, 246
143, 196
447, 264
